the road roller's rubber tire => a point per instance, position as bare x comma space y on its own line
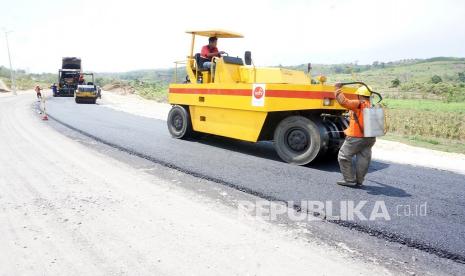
297, 140
179, 122
77, 100
94, 101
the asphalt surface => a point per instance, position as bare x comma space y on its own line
256, 169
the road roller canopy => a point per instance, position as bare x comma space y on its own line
216, 33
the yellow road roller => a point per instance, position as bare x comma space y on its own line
87, 91
236, 99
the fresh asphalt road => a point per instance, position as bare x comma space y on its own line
255, 168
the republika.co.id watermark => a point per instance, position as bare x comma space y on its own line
346, 210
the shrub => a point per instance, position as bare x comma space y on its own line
461, 76
395, 82
436, 79
151, 90
455, 94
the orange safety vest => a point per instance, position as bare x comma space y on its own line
355, 128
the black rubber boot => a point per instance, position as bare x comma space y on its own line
347, 183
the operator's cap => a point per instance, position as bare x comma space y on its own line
363, 91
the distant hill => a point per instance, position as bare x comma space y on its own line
435, 78
348, 68
406, 70
164, 76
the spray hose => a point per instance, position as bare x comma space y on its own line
386, 122
364, 84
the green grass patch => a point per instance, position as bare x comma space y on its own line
425, 123
27, 83
153, 91
425, 105
425, 142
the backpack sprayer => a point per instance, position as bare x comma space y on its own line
374, 119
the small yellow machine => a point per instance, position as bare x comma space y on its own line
241, 101
87, 91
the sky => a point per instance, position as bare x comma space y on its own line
116, 36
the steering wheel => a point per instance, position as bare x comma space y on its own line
225, 54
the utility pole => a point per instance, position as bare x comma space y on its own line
12, 73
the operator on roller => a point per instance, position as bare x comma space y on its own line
209, 52
355, 143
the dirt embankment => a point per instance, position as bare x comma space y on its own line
120, 88
3, 87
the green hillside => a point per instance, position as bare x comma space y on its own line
440, 78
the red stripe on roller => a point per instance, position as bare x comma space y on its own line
228, 92
269, 93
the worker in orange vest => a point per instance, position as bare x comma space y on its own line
355, 143
38, 92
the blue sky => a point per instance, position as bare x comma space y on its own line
126, 35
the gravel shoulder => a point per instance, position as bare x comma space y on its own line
388, 151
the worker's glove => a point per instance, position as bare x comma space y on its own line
338, 85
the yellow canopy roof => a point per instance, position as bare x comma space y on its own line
216, 33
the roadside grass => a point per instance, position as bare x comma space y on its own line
425, 105
152, 91
427, 123
429, 143
27, 83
